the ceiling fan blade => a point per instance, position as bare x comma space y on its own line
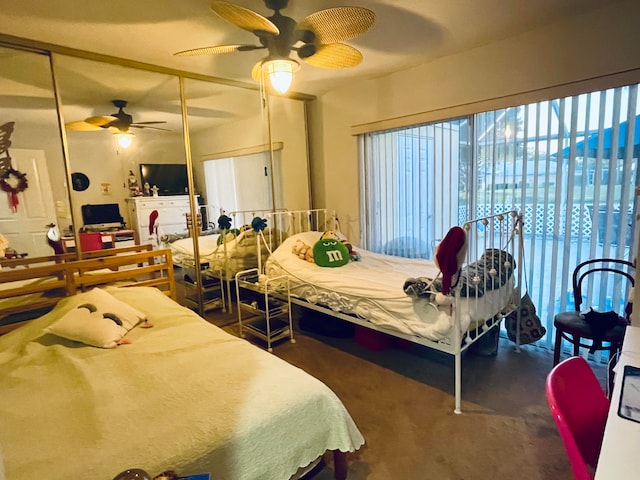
82, 126
256, 71
335, 55
115, 130
243, 17
101, 120
217, 49
136, 125
148, 123
338, 24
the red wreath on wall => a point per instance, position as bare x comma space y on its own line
13, 182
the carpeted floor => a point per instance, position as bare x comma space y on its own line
402, 401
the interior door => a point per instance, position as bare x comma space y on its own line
26, 228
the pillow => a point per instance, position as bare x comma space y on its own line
98, 319
330, 252
89, 327
107, 303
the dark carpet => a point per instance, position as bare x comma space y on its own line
402, 401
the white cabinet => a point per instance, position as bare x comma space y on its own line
172, 211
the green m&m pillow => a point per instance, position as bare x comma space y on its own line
329, 252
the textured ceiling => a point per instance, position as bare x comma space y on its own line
406, 32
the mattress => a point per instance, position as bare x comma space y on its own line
182, 249
372, 289
236, 254
184, 395
20, 300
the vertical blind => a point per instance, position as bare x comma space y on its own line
569, 165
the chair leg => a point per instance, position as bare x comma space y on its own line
576, 346
557, 347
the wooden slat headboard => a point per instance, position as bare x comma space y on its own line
31, 287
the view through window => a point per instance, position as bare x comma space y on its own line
569, 165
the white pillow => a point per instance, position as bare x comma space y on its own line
107, 303
91, 328
98, 319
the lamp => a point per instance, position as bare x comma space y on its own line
280, 72
124, 139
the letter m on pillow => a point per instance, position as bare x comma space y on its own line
330, 252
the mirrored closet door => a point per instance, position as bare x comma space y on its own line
246, 163
33, 195
100, 156
126, 152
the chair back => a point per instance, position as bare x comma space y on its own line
598, 278
90, 241
579, 407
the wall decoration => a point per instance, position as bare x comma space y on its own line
13, 182
5, 160
79, 181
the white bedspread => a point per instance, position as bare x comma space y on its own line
372, 288
236, 254
184, 395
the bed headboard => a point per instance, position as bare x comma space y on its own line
287, 223
30, 288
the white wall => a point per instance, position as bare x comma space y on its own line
586, 46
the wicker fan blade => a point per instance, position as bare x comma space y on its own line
82, 126
243, 17
216, 50
256, 71
335, 55
101, 120
115, 130
339, 24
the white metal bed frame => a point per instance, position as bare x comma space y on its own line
507, 235
223, 272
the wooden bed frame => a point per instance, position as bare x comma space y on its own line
506, 224
43, 281
63, 275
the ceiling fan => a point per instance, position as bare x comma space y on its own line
119, 123
317, 39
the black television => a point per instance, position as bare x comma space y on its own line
101, 216
170, 178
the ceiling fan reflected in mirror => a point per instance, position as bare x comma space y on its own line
119, 123
317, 39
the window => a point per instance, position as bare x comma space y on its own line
569, 165
412, 196
241, 183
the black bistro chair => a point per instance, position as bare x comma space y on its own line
603, 330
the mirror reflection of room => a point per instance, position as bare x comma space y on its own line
125, 178
35, 189
125, 143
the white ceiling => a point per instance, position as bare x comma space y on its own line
406, 32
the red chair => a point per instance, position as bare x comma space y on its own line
579, 407
90, 241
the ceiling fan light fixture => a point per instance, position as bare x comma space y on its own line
124, 139
280, 72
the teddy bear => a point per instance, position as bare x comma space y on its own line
303, 251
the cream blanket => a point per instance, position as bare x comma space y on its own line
185, 395
372, 289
